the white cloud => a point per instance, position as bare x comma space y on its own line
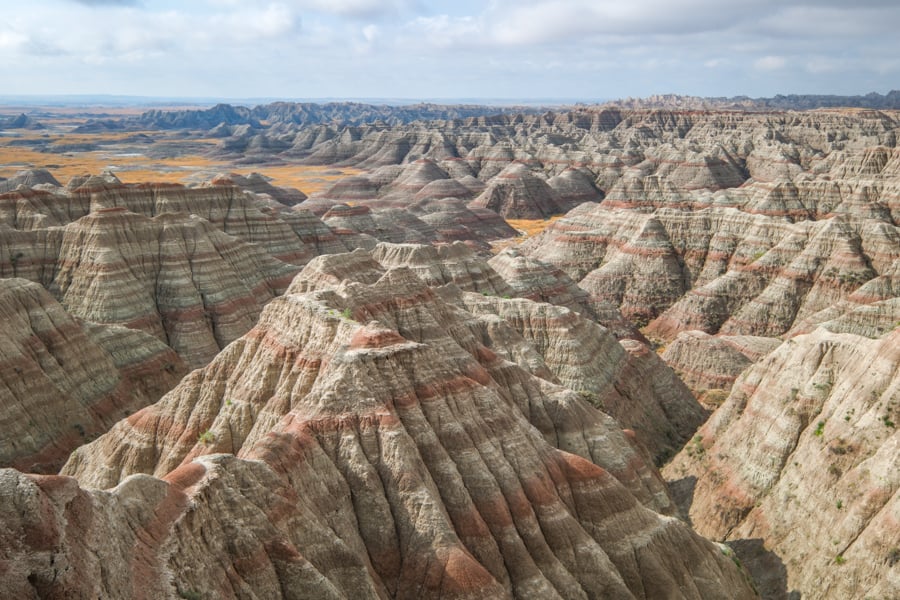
590, 48
12, 40
272, 21
769, 63
370, 33
358, 8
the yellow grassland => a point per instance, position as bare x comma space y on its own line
139, 168
527, 228
530, 227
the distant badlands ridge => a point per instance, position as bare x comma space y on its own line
381, 406
359, 113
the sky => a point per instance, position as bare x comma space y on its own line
421, 49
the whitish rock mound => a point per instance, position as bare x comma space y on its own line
516, 193
383, 450
804, 455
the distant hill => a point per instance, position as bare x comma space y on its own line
873, 100
22, 121
359, 113
301, 113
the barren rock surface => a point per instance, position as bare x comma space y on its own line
386, 406
65, 381
804, 455
386, 447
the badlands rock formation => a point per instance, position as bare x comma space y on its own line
414, 418
552, 343
387, 441
65, 381
258, 184
723, 270
805, 454
28, 178
515, 193
709, 364
190, 266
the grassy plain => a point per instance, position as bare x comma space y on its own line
122, 153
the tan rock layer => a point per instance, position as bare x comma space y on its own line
808, 437
64, 382
399, 458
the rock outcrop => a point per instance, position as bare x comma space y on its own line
383, 446
28, 178
708, 364
406, 418
65, 381
258, 184
720, 270
516, 193
807, 437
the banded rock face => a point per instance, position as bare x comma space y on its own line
383, 449
625, 379
258, 184
655, 404
805, 455
721, 270
191, 266
817, 265
782, 164
543, 282
435, 205
516, 193
65, 381
181, 280
709, 365
28, 178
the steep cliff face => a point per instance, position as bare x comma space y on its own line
723, 271
65, 381
709, 365
655, 404
174, 277
625, 379
226, 527
807, 437
540, 281
386, 447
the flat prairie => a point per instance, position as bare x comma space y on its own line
127, 154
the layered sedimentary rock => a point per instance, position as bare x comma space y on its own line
708, 364
178, 279
804, 456
427, 193
815, 266
720, 270
655, 404
439, 265
796, 165
516, 193
574, 186
65, 381
258, 184
28, 178
384, 447
625, 379
412, 420
540, 281
191, 266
